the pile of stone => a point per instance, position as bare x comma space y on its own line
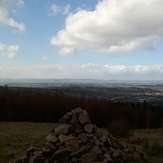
76, 140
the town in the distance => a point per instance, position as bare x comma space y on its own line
136, 91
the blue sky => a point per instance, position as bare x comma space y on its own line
99, 39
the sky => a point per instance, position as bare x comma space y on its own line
81, 39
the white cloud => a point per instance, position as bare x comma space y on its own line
44, 58
67, 51
66, 9
9, 51
59, 9
89, 71
114, 25
55, 9
5, 20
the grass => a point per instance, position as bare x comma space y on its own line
151, 143
16, 137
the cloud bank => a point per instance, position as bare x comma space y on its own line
89, 71
114, 25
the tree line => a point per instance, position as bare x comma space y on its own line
43, 107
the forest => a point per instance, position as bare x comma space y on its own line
43, 107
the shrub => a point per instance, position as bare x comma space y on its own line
153, 147
119, 128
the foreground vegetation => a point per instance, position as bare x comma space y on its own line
16, 137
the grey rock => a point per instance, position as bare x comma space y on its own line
38, 153
88, 128
32, 148
50, 146
82, 150
83, 137
96, 150
65, 138
63, 129
84, 119
88, 157
103, 148
108, 157
126, 150
136, 156
78, 110
46, 152
62, 138
60, 154
73, 121
116, 153
52, 138
73, 145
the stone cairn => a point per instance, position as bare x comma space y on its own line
76, 140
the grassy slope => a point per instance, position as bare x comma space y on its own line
16, 137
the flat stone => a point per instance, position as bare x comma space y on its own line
73, 121
63, 129
109, 143
108, 157
52, 138
99, 143
126, 150
57, 144
32, 148
88, 157
78, 110
50, 146
60, 154
103, 148
46, 151
96, 150
132, 150
103, 138
62, 138
65, 138
83, 137
38, 153
115, 145
116, 153
82, 150
63, 120
88, 128
136, 156
69, 114
73, 145
84, 119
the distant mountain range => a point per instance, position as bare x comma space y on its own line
77, 81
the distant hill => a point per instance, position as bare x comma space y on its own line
67, 81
